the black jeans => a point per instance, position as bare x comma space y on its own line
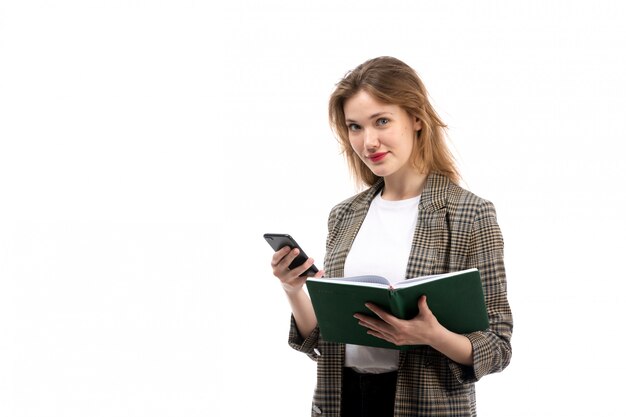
367, 395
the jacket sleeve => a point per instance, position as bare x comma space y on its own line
307, 346
491, 348
296, 341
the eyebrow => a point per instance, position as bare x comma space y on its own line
373, 116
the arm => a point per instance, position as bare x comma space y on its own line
293, 284
491, 349
303, 313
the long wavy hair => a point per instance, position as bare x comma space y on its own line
391, 81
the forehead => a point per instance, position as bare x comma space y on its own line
363, 104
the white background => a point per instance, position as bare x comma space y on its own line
146, 146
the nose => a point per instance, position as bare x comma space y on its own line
370, 139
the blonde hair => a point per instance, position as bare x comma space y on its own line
391, 81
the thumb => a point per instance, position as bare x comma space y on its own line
422, 305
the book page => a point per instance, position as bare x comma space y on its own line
428, 278
359, 280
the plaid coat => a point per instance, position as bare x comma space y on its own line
455, 230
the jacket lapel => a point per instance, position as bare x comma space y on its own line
430, 236
347, 228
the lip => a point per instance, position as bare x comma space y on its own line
376, 157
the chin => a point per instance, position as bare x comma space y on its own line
381, 172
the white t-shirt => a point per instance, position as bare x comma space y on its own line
382, 247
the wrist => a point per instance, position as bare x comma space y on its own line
291, 291
456, 347
438, 336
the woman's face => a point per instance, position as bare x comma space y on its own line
381, 134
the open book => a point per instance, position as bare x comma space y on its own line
455, 298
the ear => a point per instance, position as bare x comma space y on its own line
417, 124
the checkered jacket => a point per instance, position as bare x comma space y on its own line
455, 230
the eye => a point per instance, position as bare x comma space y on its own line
382, 121
353, 127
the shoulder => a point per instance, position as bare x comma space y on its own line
349, 203
354, 204
472, 219
465, 200
460, 203
347, 206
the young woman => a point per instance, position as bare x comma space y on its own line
413, 220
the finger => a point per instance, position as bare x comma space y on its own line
380, 336
319, 274
288, 259
371, 322
363, 319
279, 255
375, 329
380, 312
367, 322
302, 268
284, 262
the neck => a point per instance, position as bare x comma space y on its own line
404, 188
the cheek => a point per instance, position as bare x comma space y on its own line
355, 144
409, 139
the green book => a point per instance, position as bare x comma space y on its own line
455, 298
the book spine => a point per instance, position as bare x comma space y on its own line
396, 304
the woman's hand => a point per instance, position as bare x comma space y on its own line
290, 279
423, 329
420, 330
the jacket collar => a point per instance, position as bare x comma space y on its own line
435, 193
433, 196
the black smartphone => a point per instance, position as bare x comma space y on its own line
279, 240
